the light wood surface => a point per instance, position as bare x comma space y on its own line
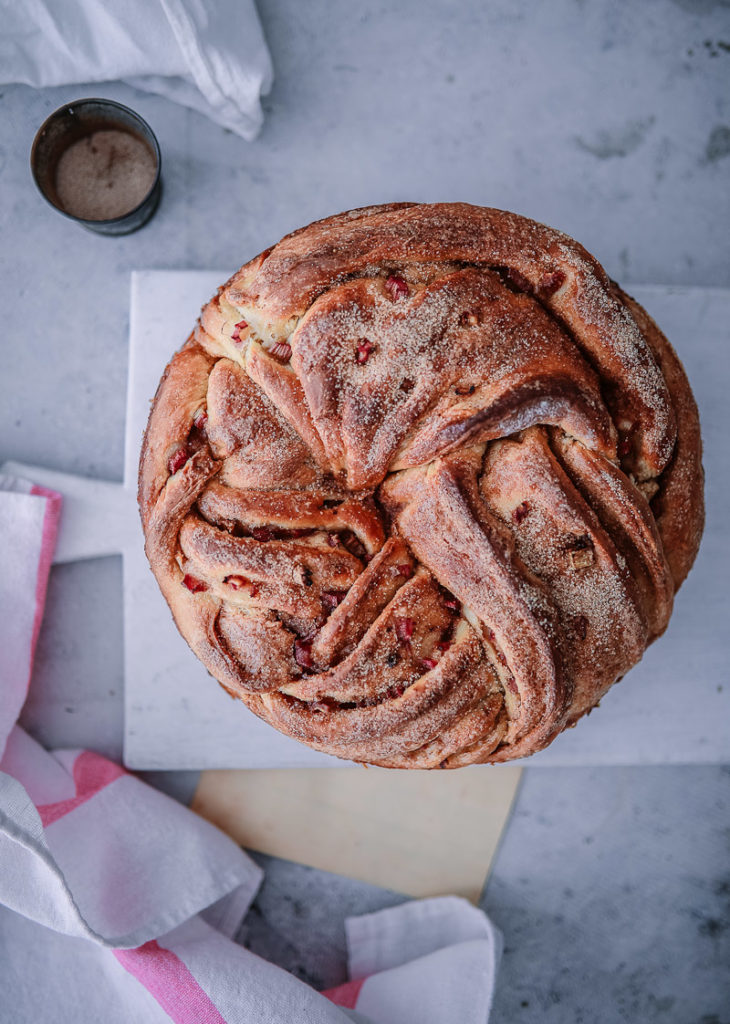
419, 833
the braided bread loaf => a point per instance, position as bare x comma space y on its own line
422, 484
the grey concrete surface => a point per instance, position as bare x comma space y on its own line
606, 118
611, 888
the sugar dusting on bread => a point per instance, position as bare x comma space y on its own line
395, 524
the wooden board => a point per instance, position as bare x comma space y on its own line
419, 833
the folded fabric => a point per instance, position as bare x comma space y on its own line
119, 904
28, 526
206, 54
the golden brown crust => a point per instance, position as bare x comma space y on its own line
679, 504
422, 484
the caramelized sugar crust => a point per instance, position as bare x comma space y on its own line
422, 484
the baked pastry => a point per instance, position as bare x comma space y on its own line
421, 485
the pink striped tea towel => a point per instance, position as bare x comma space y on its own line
118, 904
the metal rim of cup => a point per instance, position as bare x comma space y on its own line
67, 110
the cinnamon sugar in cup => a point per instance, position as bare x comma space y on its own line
98, 162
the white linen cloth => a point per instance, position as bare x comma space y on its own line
206, 54
118, 904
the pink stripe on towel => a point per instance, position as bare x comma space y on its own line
91, 773
346, 995
166, 977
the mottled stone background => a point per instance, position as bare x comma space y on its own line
607, 118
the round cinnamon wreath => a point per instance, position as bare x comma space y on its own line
421, 485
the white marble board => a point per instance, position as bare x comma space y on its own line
672, 708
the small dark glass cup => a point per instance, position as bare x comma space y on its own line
78, 120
